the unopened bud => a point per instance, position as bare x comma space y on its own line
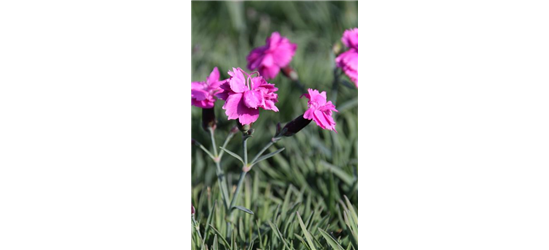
243, 128
208, 119
336, 48
192, 209
294, 126
234, 130
290, 73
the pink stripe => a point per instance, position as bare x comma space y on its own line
453, 58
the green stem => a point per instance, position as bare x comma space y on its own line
213, 141
196, 227
229, 137
239, 185
245, 149
220, 175
300, 86
335, 85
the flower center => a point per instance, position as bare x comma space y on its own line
249, 77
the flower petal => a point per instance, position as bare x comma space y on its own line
255, 57
331, 122
284, 53
246, 115
270, 105
231, 106
269, 72
309, 114
273, 40
249, 117
238, 82
197, 85
252, 98
267, 60
199, 95
214, 76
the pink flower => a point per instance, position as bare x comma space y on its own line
276, 54
202, 93
350, 38
319, 110
348, 62
244, 95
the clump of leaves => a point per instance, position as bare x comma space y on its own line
298, 221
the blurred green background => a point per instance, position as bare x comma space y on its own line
318, 165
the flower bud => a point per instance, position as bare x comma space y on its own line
336, 48
290, 73
244, 128
294, 126
192, 209
234, 130
208, 119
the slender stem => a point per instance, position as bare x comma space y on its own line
213, 141
245, 150
239, 185
300, 86
335, 85
222, 184
229, 137
196, 227
219, 172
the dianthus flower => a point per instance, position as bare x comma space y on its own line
276, 54
348, 60
319, 110
202, 93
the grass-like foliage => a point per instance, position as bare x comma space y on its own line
289, 218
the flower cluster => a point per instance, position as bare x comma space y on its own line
348, 60
245, 94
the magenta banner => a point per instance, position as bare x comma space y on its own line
453, 58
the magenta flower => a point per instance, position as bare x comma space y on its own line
319, 110
244, 95
348, 60
350, 38
276, 54
202, 93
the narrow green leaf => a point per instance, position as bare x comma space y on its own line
307, 234
220, 236
215, 246
209, 222
351, 209
333, 243
243, 209
348, 179
278, 234
347, 84
302, 241
267, 156
232, 154
206, 150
